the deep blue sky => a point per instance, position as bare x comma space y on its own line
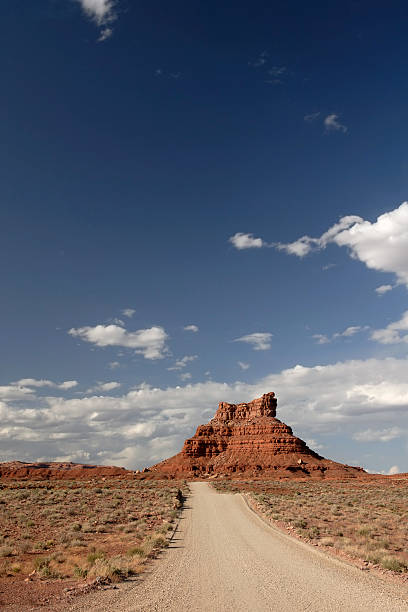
128, 163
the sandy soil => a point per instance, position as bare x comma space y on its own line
225, 558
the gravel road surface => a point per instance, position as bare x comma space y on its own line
225, 558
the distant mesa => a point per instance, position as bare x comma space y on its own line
59, 470
247, 440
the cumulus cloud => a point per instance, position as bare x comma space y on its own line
246, 241
181, 363
394, 469
347, 333
151, 342
332, 124
147, 424
394, 333
102, 13
381, 246
192, 328
260, 341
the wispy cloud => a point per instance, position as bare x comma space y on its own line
243, 366
347, 333
185, 376
378, 435
102, 13
311, 117
181, 363
191, 328
260, 60
33, 382
260, 341
128, 312
332, 124
151, 342
160, 72
104, 387
113, 365
383, 289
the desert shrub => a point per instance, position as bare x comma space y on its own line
94, 555
394, 564
112, 570
80, 572
6, 551
136, 551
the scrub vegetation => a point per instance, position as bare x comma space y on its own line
67, 531
366, 520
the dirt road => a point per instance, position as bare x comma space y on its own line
224, 558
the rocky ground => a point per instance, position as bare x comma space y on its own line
58, 534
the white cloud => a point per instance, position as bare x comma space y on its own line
105, 387
181, 363
304, 245
113, 365
311, 117
347, 333
185, 376
192, 328
321, 338
392, 333
381, 246
260, 341
13, 392
332, 124
246, 241
394, 470
33, 382
243, 366
128, 312
378, 435
102, 13
147, 424
151, 343
68, 384
314, 445
383, 289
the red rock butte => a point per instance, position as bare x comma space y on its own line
247, 439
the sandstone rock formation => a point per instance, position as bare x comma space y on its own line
248, 440
64, 471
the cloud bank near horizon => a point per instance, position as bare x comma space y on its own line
367, 400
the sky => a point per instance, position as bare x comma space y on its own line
202, 202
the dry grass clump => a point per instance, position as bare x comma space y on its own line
364, 519
105, 528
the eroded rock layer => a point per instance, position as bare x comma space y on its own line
248, 440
